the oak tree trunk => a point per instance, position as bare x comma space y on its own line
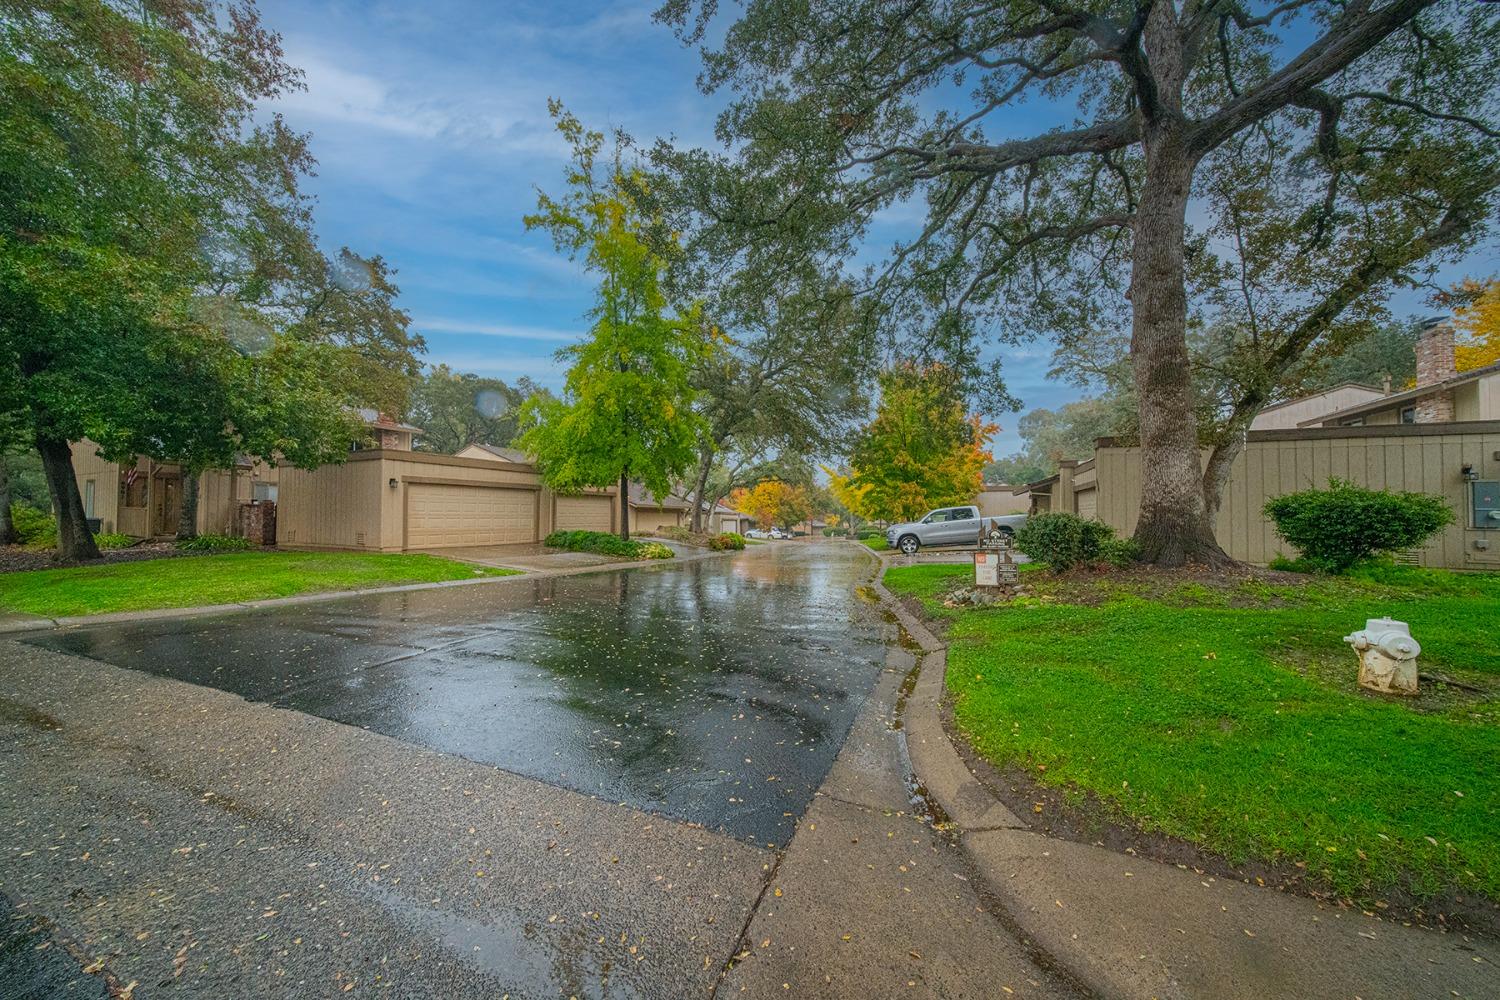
625, 505
7, 526
74, 540
187, 518
1175, 526
705, 463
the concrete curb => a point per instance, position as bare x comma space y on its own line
1130, 927
38, 623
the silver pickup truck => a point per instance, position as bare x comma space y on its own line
950, 526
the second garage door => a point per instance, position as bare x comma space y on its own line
1088, 504
584, 513
440, 515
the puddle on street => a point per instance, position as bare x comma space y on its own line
717, 692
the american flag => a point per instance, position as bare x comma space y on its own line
130, 476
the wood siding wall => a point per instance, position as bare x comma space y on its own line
352, 506
1418, 458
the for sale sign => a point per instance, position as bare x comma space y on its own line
986, 569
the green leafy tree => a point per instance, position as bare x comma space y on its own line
1048, 436
922, 450
1346, 147
626, 409
160, 288
456, 409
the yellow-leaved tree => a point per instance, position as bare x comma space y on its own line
1478, 325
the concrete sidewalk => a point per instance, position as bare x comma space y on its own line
1125, 926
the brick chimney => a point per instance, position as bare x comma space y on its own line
1434, 365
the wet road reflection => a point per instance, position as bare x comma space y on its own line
718, 692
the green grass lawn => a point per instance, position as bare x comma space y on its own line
877, 543
219, 579
1230, 716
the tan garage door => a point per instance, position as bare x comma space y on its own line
654, 520
443, 514
1088, 504
585, 513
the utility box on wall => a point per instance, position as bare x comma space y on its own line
1484, 498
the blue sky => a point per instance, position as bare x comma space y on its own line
430, 126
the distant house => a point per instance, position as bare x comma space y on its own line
1315, 406
726, 518
996, 499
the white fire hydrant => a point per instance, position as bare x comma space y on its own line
1387, 656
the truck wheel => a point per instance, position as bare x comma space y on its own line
909, 544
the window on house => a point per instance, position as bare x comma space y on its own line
88, 497
1352, 422
1408, 414
263, 491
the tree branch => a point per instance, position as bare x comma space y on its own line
1352, 35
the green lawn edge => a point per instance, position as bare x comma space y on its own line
230, 578
1241, 728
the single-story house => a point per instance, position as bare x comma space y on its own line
143, 498
1074, 489
728, 519
1294, 412
1441, 437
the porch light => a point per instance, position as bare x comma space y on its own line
394, 484
1469, 474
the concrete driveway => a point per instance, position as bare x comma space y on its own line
663, 782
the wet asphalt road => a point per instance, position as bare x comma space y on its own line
716, 692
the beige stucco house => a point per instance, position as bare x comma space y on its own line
143, 498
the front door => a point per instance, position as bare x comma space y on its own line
166, 506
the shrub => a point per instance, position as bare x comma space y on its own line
864, 533
1063, 540
215, 543
652, 550
1121, 553
113, 540
33, 526
1346, 525
726, 540
605, 544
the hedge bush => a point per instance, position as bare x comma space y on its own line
215, 543
33, 526
606, 544
1064, 540
1345, 525
726, 540
113, 540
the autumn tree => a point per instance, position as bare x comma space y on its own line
1355, 141
626, 409
773, 503
1478, 325
922, 450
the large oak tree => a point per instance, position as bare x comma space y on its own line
1363, 133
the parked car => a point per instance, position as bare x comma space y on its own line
757, 533
780, 533
950, 526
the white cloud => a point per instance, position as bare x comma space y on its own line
509, 330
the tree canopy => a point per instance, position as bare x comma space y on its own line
160, 287
1332, 150
922, 450
626, 409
